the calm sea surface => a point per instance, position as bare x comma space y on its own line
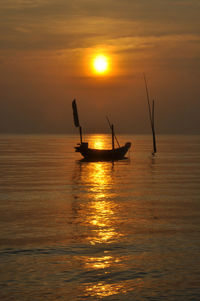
72, 230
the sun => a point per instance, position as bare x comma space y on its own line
100, 64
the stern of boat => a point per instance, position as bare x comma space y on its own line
81, 147
128, 145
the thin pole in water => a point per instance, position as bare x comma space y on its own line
153, 130
151, 116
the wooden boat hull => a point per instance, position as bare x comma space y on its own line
102, 154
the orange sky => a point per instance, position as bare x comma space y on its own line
46, 48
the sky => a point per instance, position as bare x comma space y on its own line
46, 53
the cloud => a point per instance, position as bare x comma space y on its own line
46, 44
40, 24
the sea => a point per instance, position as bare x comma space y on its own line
75, 230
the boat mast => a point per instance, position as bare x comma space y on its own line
76, 119
113, 134
151, 116
113, 137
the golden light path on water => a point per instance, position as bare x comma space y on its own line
102, 208
98, 144
100, 214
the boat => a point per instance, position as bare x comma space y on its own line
91, 154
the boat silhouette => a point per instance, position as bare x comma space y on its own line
91, 154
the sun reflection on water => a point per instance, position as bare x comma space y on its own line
101, 210
98, 144
103, 289
100, 179
100, 141
98, 262
99, 216
101, 219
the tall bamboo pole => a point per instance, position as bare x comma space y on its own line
153, 129
151, 116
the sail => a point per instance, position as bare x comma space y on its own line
75, 113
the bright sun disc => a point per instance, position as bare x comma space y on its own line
100, 64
